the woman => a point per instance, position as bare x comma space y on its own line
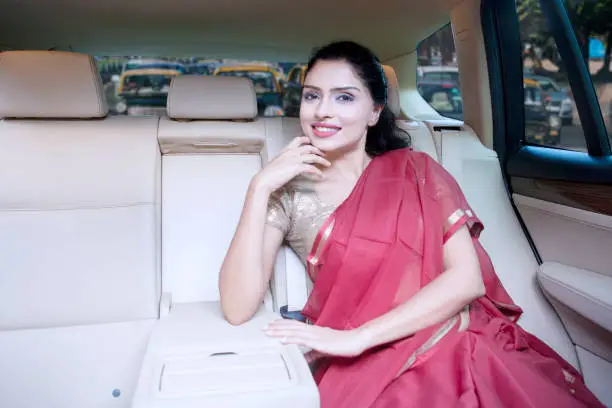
406, 308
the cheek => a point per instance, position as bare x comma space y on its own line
353, 116
307, 111
307, 117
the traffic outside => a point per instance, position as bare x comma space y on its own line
551, 117
139, 86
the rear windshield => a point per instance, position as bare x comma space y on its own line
130, 90
262, 81
146, 81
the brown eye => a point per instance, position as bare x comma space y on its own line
309, 96
345, 98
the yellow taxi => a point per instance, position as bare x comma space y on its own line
266, 82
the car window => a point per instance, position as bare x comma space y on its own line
438, 73
543, 65
262, 81
294, 76
139, 86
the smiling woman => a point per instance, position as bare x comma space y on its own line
130, 218
406, 309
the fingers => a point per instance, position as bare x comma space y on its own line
311, 170
302, 334
313, 158
310, 149
298, 333
284, 323
297, 142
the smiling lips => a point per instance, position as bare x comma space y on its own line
325, 129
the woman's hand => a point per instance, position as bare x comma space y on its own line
299, 157
341, 343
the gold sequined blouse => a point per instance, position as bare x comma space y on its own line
299, 213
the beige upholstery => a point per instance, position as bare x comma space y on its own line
213, 136
478, 172
208, 165
42, 84
586, 292
577, 278
200, 212
78, 219
195, 97
597, 373
79, 242
196, 359
393, 99
420, 135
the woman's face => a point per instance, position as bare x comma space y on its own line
337, 108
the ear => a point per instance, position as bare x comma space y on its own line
375, 115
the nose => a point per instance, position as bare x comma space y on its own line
324, 108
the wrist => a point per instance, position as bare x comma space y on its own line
257, 188
366, 336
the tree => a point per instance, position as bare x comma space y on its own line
588, 17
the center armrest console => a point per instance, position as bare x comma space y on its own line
196, 359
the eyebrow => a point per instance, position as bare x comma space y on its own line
342, 88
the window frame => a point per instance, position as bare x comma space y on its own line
503, 47
579, 77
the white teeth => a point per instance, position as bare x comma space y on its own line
325, 129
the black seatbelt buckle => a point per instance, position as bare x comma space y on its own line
293, 315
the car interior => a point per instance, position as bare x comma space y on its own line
113, 228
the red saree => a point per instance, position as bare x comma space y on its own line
381, 246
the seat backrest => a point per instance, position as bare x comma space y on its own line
212, 144
479, 174
79, 198
420, 136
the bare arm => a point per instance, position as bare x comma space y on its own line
459, 284
249, 262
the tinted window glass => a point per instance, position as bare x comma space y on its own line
139, 86
438, 74
544, 70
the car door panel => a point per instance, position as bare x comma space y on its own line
575, 246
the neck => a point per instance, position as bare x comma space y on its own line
348, 164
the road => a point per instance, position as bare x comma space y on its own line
572, 137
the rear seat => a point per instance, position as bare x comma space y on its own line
79, 236
478, 172
420, 135
203, 136
213, 143
80, 241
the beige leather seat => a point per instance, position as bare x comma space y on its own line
420, 135
79, 236
213, 143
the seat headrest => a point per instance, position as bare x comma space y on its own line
393, 100
211, 97
50, 84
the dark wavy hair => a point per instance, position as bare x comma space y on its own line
385, 135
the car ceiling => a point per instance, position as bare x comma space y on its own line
272, 30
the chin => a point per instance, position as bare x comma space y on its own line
327, 145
